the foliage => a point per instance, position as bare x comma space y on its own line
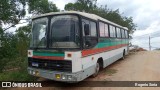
16, 75
13, 53
82, 5
41, 6
7, 50
112, 15
13, 57
23, 38
11, 11
15, 45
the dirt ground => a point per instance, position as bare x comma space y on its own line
138, 66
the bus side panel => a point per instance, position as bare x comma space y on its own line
76, 60
114, 56
108, 56
89, 64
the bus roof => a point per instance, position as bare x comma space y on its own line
88, 15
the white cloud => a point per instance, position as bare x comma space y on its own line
142, 11
151, 29
141, 37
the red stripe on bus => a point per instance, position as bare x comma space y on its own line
49, 57
99, 50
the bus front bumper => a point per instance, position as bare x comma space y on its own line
55, 75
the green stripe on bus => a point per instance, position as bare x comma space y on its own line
110, 42
35, 53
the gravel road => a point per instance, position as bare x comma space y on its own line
137, 66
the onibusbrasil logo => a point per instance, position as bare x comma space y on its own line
19, 84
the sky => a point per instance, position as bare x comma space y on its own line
145, 13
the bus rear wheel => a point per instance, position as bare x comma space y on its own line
97, 68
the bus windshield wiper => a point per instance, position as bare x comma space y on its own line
37, 46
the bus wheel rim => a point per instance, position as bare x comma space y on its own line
97, 67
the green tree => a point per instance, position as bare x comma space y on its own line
41, 6
8, 50
82, 5
23, 39
90, 6
116, 17
14, 46
11, 11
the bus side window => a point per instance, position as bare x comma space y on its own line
106, 30
83, 23
126, 32
90, 40
112, 31
118, 32
123, 34
101, 29
93, 30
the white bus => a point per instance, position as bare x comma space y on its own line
71, 46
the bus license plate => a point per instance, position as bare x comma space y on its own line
34, 64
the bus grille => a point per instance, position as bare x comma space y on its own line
53, 65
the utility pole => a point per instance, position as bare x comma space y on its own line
149, 43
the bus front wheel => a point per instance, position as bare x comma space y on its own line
123, 55
97, 68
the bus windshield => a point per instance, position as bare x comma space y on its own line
64, 31
39, 28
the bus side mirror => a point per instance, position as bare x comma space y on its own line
86, 29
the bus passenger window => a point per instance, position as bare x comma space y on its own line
118, 32
123, 33
112, 31
106, 30
91, 39
101, 28
93, 31
126, 32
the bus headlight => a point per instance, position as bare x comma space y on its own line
33, 72
64, 77
69, 77
30, 71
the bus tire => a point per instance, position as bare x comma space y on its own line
123, 55
97, 68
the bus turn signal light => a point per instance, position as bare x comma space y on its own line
58, 76
29, 53
69, 55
